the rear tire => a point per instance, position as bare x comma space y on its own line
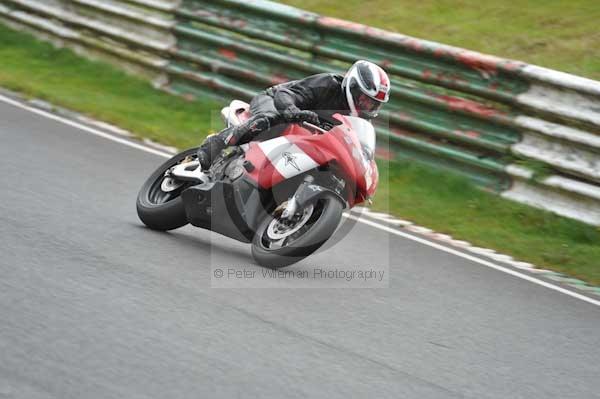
167, 215
328, 212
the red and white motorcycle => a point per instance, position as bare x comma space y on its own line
284, 195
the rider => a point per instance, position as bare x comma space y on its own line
361, 92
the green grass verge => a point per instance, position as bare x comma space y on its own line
450, 204
557, 34
96, 89
439, 200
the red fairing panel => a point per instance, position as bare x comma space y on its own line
298, 150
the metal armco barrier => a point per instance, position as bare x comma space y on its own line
529, 133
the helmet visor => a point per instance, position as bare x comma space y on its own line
366, 106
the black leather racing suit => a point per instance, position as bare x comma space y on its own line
321, 93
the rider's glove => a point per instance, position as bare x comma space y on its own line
293, 114
310, 117
290, 113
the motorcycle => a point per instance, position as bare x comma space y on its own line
284, 195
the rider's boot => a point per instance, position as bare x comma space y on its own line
210, 149
234, 135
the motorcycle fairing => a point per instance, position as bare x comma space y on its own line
298, 150
233, 209
277, 160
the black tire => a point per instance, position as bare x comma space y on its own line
167, 215
327, 213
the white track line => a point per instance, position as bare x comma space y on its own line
360, 220
475, 259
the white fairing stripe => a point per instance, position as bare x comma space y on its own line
287, 158
273, 145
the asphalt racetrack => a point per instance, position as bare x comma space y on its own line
95, 305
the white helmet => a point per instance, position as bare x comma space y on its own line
367, 88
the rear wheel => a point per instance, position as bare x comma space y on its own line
159, 203
279, 243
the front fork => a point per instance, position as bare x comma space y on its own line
292, 204
307, 192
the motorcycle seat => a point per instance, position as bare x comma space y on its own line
236, 113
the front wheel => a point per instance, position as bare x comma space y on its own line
279, 243
159, 203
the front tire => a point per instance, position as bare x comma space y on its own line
318, 227
160, 210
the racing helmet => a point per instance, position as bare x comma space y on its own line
367, 88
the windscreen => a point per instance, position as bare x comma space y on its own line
365, 132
